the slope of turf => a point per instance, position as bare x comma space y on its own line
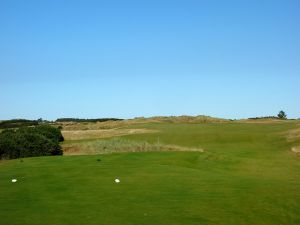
247, 175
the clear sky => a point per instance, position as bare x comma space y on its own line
94, 59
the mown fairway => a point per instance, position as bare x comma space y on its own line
247, 174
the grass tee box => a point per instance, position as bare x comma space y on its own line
247, 174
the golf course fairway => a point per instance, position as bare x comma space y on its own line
245, 175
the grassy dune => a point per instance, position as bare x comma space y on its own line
247, 174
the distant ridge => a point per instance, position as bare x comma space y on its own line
86, 120
184, 119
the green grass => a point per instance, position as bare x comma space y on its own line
247, 175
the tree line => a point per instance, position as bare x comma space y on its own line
17, 123
281, 115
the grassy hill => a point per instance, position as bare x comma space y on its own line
240, 173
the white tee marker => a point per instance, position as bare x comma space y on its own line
117, 180
14, 180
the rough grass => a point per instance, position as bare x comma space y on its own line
75, 126
101, 133
119, 145
293, 137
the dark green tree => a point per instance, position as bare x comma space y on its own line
282, 115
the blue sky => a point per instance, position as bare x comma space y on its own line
93, 59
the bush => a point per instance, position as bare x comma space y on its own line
9, 144
41, 140
50, 132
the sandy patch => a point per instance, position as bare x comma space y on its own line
296, 149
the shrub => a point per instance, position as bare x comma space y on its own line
30, 141
50, 132
9, 145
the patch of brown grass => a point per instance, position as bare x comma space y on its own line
293, 135
103, 146
100, 125
104, 133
